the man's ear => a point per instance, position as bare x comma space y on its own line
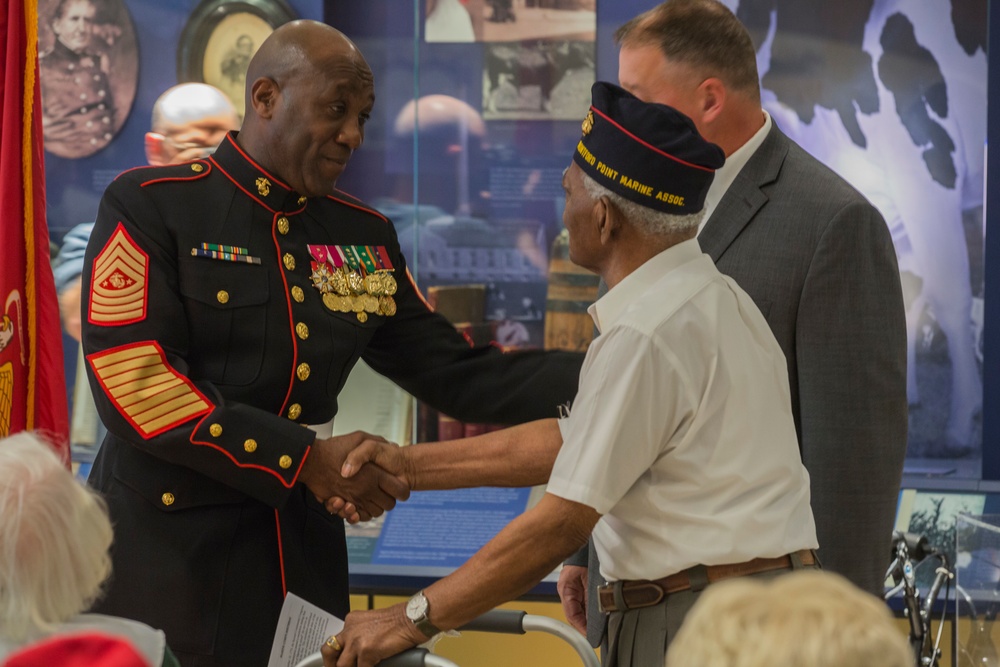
154, 149
607, 218
712, 93
263, 95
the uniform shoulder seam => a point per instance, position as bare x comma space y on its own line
186, 171
342, 197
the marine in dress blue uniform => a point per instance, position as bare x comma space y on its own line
212, 339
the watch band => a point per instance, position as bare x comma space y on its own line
425, 626
422, 622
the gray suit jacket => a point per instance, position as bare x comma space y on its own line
818, 261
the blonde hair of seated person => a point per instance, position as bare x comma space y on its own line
807, 618
54, 540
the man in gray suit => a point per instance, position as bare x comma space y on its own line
818, 261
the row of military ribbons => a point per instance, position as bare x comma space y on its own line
350, 279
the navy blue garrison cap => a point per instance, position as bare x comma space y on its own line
648, 153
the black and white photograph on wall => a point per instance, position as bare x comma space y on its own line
933, 516
452, 20
221, 37
537, 80
892, 96
88, 73
228, 53
509, 20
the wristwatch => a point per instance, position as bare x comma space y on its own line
416, 611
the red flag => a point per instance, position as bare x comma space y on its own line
32, 379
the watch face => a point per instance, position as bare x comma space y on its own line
416, 607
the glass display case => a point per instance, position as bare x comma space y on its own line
977, 583
478, 109
476, 118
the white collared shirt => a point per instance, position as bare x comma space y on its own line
681, 434
725, 176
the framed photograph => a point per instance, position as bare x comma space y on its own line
88, 71
509, 20
220, 38
539, 80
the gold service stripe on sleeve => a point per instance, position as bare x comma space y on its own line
150, 394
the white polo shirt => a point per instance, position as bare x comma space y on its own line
681, 433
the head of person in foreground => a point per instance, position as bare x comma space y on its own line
54, 540
807, 617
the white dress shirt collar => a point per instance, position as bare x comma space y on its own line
606, 310
725, 176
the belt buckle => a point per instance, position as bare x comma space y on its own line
605, 589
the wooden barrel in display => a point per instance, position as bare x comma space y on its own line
571, 290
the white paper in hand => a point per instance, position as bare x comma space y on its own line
302, 629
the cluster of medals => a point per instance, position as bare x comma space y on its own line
354, 279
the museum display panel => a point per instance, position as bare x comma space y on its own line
479, 105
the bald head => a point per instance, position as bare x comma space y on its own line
190, 102
309, 94
298, 49
189, 121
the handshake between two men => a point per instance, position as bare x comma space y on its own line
359, 476
364, 493
369, 478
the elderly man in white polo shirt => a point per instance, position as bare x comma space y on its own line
679, 451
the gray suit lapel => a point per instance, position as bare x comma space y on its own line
744, 197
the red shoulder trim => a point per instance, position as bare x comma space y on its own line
413, 284
359, 206
202, 172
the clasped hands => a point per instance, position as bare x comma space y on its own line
360, 476
336, 474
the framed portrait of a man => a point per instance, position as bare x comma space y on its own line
88, 72
220, 38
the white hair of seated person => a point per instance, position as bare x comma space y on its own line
804, 618
54, 539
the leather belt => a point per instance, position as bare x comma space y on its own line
644, 593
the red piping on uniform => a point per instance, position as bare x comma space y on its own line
131, 169
250, 466
360, 208
249, 159
302, 463
420, 296
193, 177
281, 555
650, 146
163, 359
237, 184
